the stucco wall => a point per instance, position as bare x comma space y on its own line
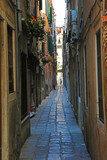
25, 130
8, 101
12, 132
88, 116
94, 128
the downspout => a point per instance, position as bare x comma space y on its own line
17, 85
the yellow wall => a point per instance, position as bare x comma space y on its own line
94, 130
94, 127
8, 101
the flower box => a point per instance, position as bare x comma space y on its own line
47, 59
36, 26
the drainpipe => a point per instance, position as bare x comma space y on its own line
17, 85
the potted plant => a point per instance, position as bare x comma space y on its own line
36, 26
47, 59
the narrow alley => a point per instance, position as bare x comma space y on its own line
55, 134
48, 44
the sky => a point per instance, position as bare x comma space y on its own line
59, 6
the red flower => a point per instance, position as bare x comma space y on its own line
35, 17
29, 15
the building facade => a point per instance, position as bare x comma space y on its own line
59, 42
49, 45
85, 46
22, 73
8, 103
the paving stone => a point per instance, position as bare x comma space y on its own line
40, 157
55, 134
54, 157
26, 159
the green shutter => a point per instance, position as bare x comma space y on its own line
49, 11
47, 41
50, 15
50, 45
47, 8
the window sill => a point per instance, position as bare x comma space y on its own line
100, 124
11, 96
25, 119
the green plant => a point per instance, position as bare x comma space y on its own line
47, 59
59, 41
36, 26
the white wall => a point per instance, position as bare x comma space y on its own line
43, 6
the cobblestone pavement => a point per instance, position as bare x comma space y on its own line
54, 132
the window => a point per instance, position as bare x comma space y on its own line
40, 4
105, 4
12, 2
99, 76
78, 64
10, 60
85, 78
28, 5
